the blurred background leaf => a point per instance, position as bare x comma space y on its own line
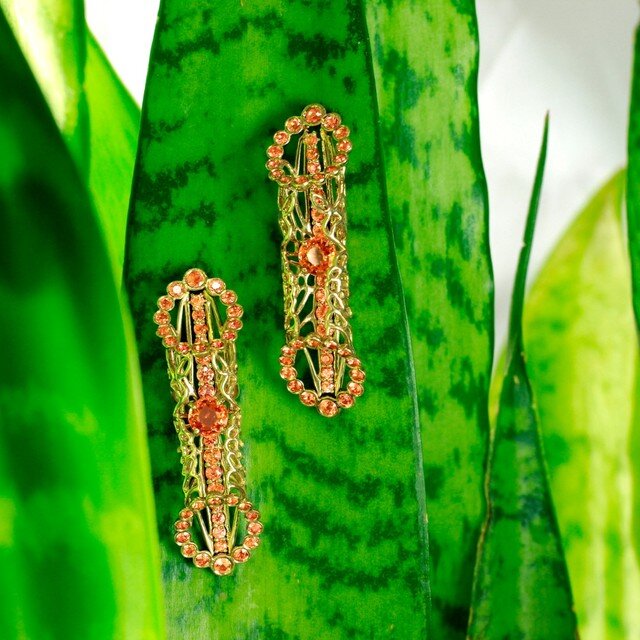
633, 230
78, 544
96, 115
579, 337
344, 552
426, 64
521, 585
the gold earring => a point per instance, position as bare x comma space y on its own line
201, 359
313, 219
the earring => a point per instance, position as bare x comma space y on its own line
201, 358
313, 219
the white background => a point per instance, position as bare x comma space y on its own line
571, 57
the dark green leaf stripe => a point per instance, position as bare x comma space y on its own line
521, 587
344, 552
78, 546
426, 62
579, 328
633, 230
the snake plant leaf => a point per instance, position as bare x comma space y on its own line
98, 118
78, 545
344, 552
633, 230
115, 122
579, 337
51, 34
426, 64
521, 585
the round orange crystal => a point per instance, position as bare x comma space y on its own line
316, 255
208, 416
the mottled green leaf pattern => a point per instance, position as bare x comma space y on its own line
344, 552
521, 587
426, 62
578, 331
78, 544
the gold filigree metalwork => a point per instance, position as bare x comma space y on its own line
313, 219
201, 359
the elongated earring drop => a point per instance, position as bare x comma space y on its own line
201, 358
313, 219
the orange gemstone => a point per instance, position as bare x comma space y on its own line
229, 335
321, 310
273, 163
215, 488
328, 408
345, 400
182, 525
197, 301
235, 324
240, 554
345, 352
215, 286
176, 289
218, 518
341, 133
235, 311
202, 559
199, 315
195, 278
253, 515
182, 537
295, 386
313, 342
208, 416
281, 137
313, 114
326, 358
189, 550
357, 375
311, 139
166, 303
251, 542
353, 362
219, 532
217, 344
341, 158
161, 317
308, 398
164, 330
198, 504
170, 341
288, 373
301, 181
285, 360
228, 296
200, 329
232, 499
275, 151
254, 528
355, 388
185, 514
183, 347
200, 347
220, 546
326, 373
222, 566
293, 125
313, 167
245, 506
316, 255
345, 146
331, 121
297, 344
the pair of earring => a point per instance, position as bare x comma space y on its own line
201, 346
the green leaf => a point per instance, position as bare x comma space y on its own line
344, 550
579, 330
115, 121
521, 585
426, 63
633, 230
78, 544
51, 34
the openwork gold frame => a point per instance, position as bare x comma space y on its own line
313, 219
201, 359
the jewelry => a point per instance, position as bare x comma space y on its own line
201, 358
313, 219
